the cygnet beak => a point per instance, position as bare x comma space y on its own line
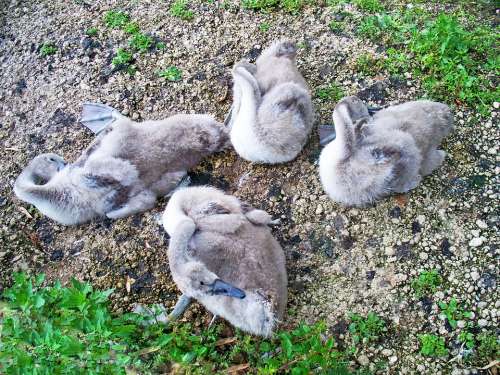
221, 288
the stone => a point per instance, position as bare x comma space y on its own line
481, 224
363, 360
476, 242
482, 322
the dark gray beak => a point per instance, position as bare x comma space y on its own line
373, 110
326, 134
221, 288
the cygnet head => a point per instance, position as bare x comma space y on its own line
43, 167
205, 283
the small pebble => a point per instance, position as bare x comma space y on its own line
476, 242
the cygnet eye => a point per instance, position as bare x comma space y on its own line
52, 159
202, 283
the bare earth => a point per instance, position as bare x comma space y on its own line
340, 260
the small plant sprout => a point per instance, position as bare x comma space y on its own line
371, 6
92, 31
488, 346
453, 312
171, 74
122, 57
426, 283
264, 27
368, 65
432, 346
331, 92
467, 338
116, 19
262, 5
336, 26
291, 6
366, 329
141, 42
131, 28
48, 49
180, 10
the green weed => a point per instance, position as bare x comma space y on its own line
488, 346
122, 57
369, 5
264, 27
180, 10
93, 31
368, 65
334, 3
55, 330
454, 60
453, 312
141, 42
131, 28
116, 19
331, 92
48, 49
292, 6
336, 26
171, 74
427, 282
455, 64
467, 338
366, 329
432, 346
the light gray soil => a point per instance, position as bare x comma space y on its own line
340, 260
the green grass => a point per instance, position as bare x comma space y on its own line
122, 57
172, 74
116, 19
453, 312
488, 346
467, 338
53, 329
432, 346
131, 28
291, 6
141, 42
426, 283
180, 10
369, 5
455, 63
92, 31
368, 65
366, 329
48, 49
330, 92
264, 27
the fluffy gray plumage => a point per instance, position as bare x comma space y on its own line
272, 112
389, 152
216, 239
123, 171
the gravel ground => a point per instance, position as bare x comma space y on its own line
340, 260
